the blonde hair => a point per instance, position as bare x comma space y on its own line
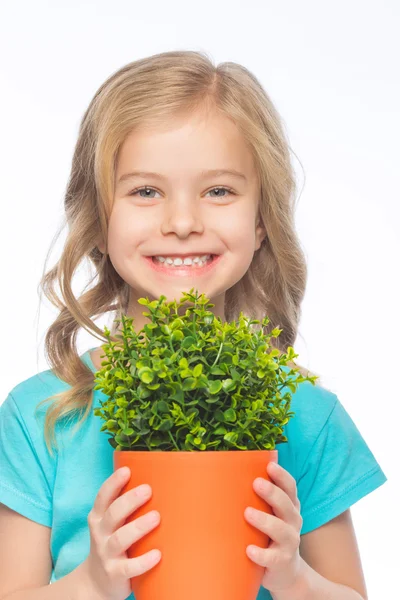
151, 91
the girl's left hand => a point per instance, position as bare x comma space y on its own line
282, 561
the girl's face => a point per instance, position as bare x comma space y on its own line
181, 212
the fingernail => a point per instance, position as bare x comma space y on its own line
153, 517
263, 485
143, 490
154, 555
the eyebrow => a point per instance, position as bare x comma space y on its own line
209, 173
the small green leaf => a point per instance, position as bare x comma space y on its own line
177, 335
215, 386
153, 386
217, 370
189, 384
185, 373
188, 342
231, 437
166, 425
120, 389
220, 431
122, 403
146, 374
128, 431
143, 301
230, 415
162, 406
197, 371
228, 385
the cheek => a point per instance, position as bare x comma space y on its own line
126, 230
238, 232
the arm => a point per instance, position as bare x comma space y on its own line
25, 563
331, 564
314, 586
71, 587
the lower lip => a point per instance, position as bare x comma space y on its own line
183, 270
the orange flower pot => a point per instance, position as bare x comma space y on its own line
203, 534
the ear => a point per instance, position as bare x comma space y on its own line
261, 234
102, 247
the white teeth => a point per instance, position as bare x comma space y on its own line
197, 260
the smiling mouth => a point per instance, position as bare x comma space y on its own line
195, 269
193, 265
183, 256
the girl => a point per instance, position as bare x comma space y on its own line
176, 160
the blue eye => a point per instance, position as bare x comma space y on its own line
149, 189
145, 189
221, 189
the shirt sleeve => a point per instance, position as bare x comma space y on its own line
340, 470
24, 482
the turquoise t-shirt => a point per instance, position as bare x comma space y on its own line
326, 454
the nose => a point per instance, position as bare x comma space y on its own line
182, 216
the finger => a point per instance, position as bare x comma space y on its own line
129, 534
277, 499
283, 479
265, 557
123, 507
280, 532
141, 564
109, 491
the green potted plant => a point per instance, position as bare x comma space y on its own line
195, 409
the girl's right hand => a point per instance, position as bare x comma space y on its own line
107, 568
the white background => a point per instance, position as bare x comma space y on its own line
332, 70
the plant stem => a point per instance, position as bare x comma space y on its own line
173, 441
219, 351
